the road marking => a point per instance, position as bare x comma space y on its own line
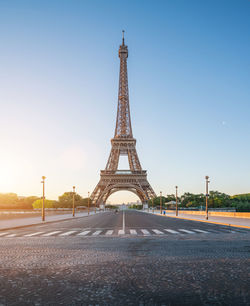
51, 233
157, 232
67, 233
133, 232
123, 222
186, 231
83, 233
145, 232
33, 234
96, 233
172, 231
11, 235
200, 231
121, 232
2, 234
110, 232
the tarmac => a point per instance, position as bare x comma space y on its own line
29, 221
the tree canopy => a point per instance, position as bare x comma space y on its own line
47, 203
12, 201
216, 200
66, 200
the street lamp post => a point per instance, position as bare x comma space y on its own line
161, 202
88, 203
73, 212
153, 205
207, 195
176, 198
43, 206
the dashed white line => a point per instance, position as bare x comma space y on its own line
186, 231
33, 234
11, 235
123, 221
96, 233
2, 234
84, 233
51, 233
145, 232
67, 233
172, 231
200, 231
156, 231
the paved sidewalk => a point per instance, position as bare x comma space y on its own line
241, 222
21, 222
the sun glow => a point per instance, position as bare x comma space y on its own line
12, 171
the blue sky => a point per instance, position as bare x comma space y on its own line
189, 83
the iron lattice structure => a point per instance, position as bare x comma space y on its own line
123, 143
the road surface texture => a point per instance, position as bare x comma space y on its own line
128, 258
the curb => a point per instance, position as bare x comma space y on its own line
42, 222
206, 221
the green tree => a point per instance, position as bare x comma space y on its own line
47, 203
27, 202
218, 199
192, 200
66, 200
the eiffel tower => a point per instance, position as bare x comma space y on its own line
123, 143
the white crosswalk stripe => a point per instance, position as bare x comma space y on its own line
33, 234
110, 232
96, 233
11, 235
145, 232
200, 231
121, 232
186, 231
67, 233
133, 232
172, 231
84, 233
2, 234
156, 231
51, 233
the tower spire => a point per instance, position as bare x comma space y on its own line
123, 122
123, 37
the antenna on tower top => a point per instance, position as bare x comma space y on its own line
123, 37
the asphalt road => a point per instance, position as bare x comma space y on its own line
129, 258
